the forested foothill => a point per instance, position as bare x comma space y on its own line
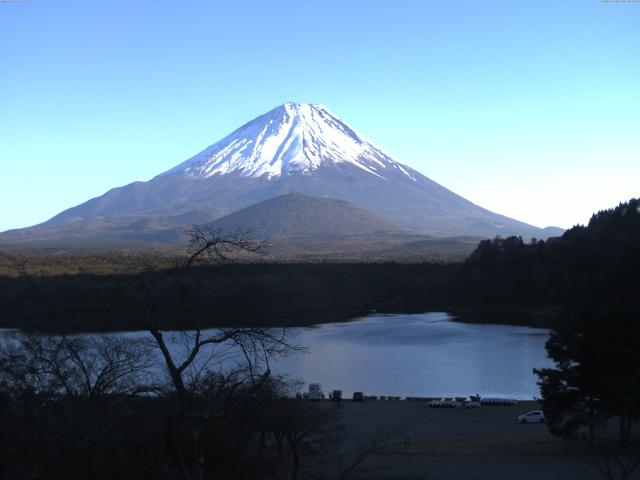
593, 264
266, 294
505, 280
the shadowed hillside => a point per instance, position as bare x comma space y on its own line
299, 215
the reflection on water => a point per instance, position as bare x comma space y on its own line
420, 355
417, 355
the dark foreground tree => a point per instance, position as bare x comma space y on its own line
596, 378
210, 372
251, 347
66, 404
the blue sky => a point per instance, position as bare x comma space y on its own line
528, 108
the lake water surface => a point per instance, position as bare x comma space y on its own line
420, 355
413, 355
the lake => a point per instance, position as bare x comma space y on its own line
414, 355
420, 355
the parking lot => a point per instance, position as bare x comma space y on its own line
459, 443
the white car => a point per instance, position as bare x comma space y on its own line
535, 416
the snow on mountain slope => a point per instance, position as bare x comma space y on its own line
291, 138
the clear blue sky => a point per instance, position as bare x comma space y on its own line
528, 108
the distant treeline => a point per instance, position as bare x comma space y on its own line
507, 279
274, 294
48, 263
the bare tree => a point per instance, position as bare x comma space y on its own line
255, 345
615, 462
66, 397
218, 363
212, 245
76, 366
344, 456
301, 422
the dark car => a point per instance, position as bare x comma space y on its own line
358, 397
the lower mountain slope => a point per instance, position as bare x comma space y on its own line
295, 227
298, 215
418, 204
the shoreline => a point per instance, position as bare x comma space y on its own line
534, 317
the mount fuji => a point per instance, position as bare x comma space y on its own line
292, 138
294, 148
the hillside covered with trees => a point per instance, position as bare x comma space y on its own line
593, 264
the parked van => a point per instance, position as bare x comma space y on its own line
315, 392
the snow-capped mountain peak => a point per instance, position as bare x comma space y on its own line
291, 138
